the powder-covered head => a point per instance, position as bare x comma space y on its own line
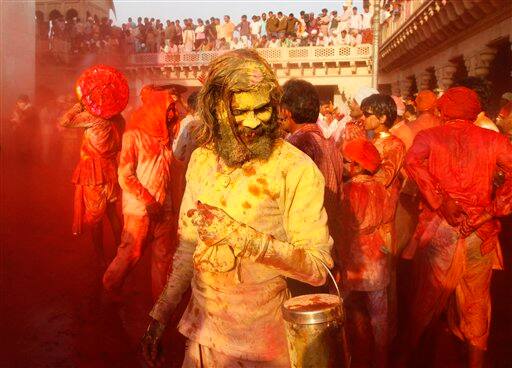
364, 153
459, 103
238, 107
426, 100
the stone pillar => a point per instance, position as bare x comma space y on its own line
395, 88
422, 80
444, 75
405, 87
478, 63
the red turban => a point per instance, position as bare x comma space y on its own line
103, 91
364, 153
426, 100
459, 103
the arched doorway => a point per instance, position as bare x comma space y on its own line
461, 72
500, 72
71, 13
54, 14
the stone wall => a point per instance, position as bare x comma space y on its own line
17, 49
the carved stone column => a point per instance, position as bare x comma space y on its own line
405, 87
484, 60
423, 80
444, 74
395, 88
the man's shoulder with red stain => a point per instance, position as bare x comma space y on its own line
425, 120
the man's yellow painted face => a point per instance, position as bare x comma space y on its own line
251, 109
254, 130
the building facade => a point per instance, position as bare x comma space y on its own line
433, 44
47, 10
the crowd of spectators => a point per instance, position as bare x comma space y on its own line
268, 30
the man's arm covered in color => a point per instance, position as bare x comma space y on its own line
416, 165
392, 161
78, 117
182, 269
128, 170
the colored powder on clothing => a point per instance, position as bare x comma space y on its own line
256, 191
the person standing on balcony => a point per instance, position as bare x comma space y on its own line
151, 45
355, 22
324, 20
228, 28
200, 35
211, 30
255, 29
366, 25
334, 24
291, 25
179, 34
189, 37
345, 16
282, 23
263, 20
302, 26
272, 25
170, 33
244, 27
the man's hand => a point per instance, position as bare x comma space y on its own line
155, 211
150, 344
467, 226
213, 224
451, 211
78, 107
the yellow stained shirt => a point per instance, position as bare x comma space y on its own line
238, 312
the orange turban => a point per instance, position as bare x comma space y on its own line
363, 152
459, 103
426, 100
151, 117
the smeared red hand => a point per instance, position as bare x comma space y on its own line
213, 224
469, 226
451, 211
150, 344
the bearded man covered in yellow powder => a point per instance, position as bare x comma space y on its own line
252, 215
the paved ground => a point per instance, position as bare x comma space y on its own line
50, 305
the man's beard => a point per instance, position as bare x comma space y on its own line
255, 143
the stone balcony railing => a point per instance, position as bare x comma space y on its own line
394, 23
302, 56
